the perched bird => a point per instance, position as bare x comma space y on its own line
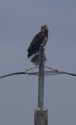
39, 40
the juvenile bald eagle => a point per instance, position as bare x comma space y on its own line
39, 40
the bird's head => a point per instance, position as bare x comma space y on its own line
44, 28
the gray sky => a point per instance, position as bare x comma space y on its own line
20, 20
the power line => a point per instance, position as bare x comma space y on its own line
36, 73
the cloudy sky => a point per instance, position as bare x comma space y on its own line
20, 20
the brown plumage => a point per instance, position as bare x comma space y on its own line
39, 40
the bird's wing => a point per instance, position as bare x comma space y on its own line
38, 39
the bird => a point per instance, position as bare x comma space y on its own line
39, 40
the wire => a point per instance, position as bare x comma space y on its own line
11, 74
46, 73
72, 74
51, 68
31, 69
19, 73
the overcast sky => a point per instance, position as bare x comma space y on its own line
20, 20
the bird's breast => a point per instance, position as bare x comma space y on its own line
44, 41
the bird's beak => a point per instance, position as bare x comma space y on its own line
46, 28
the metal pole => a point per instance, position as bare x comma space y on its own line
41, 114
41, 78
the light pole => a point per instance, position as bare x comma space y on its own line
41, 114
